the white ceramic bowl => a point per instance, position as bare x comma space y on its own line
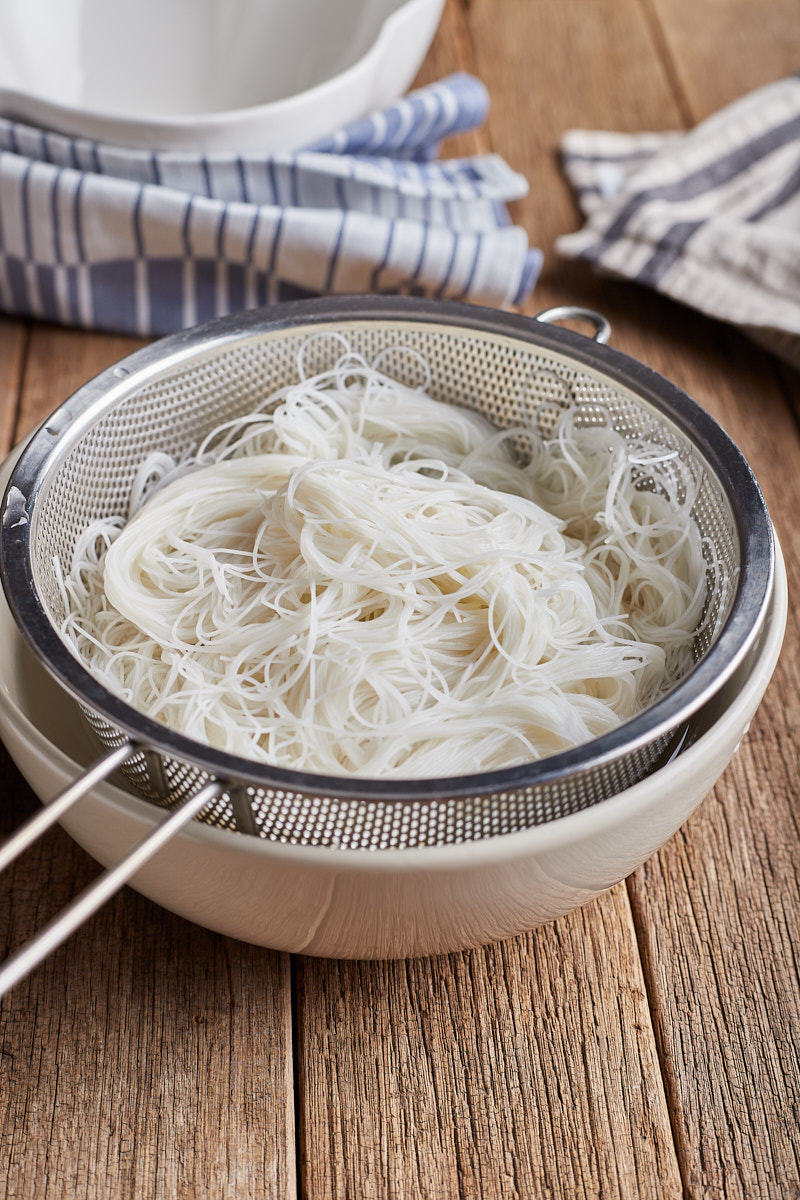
368, 904
235, 75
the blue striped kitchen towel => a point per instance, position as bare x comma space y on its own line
104, 237
710, 217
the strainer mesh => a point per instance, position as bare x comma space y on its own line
509, 381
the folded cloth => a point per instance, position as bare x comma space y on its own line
110, 238
710, 217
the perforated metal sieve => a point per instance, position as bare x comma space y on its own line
80, 465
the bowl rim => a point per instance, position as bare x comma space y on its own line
142, 126
59, 433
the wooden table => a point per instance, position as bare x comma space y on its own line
645, 1046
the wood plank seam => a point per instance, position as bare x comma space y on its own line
23, 370
665, 1067
788, 382
297, 1075
19, 337
662, 48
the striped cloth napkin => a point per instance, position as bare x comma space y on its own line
710, 217
110, 238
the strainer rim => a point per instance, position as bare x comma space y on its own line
54, 437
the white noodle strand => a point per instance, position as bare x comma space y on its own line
359, 579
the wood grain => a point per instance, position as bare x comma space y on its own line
59, 361
719, 50
717, 909
13, 345
147, 1057
569, 60
527, 1069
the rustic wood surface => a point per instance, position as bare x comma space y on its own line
647, 1045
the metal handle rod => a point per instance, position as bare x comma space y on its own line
570, 312
65, 923
27, 834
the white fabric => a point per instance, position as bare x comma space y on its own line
710, 217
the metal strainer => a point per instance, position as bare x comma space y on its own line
79, 466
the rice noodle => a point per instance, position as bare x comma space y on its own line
359, 579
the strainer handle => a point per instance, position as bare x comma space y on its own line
41, 821
574, 312
65, 923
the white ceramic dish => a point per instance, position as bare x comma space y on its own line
360, 904
235, 75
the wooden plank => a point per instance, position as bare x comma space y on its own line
526, 1069
722, 956
719, 51
59, 362
13, 343
147, 1057
717, 910
550, 68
